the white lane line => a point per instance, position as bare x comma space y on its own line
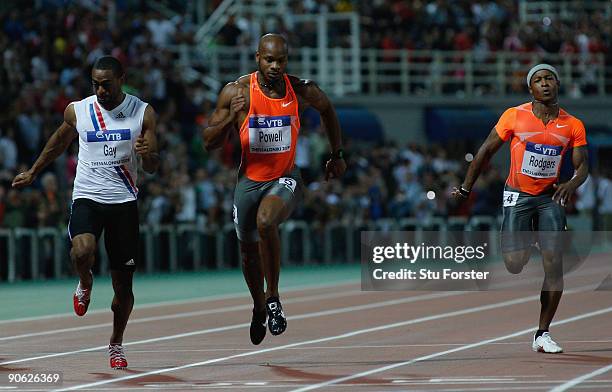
196, 313
468, 380
330, 312
442, 353
586, 272
188, 301
484, 380
574, 382
314, 341
349, 347
351, 387
594, 388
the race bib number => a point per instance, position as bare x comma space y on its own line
288, 183
510, 198
541, 160
269, 134
112, 147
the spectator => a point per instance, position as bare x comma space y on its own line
604, 198
161, 29
51, 210
157, 206
45, 62
30, 129
8, 150
15, 210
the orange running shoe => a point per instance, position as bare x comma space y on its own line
117, 356
80, 300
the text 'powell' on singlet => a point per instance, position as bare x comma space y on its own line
107, 164
269, 133
536, 149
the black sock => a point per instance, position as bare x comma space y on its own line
272, 299
540, 333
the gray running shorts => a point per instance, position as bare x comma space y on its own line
525, 213
249, 194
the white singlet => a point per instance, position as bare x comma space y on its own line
107, 164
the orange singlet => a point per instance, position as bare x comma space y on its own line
269, 133
536, 149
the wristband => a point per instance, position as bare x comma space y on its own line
464, 192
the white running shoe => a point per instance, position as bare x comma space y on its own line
545, 344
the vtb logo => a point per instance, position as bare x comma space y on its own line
544, 149
110, 135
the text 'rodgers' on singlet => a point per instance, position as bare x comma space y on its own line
107, 164
536, 150
269, 133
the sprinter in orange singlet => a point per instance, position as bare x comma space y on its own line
265, 108
540, 133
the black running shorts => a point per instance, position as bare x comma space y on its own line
525, 213
120, 225
249, 193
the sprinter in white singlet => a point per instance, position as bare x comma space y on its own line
113, 129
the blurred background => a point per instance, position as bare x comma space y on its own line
417, 86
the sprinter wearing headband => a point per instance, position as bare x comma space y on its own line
540, 133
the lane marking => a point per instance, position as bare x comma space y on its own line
442, 353
468, 380
574, 382
205, 312
320, 340
587, 272
584, 273
187, 301
196, 313
329, 312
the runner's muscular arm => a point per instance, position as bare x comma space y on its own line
580, 160
484, 154
315, 97
222, 121
318, 100
56, 145
146, 144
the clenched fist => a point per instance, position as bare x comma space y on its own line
23, 179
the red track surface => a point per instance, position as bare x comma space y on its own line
327, 341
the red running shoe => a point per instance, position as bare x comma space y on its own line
80, 300
117, 356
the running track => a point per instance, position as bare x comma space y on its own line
338, 339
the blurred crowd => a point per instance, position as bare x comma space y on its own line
46, 61
482, 27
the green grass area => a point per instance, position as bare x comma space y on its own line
40, 298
